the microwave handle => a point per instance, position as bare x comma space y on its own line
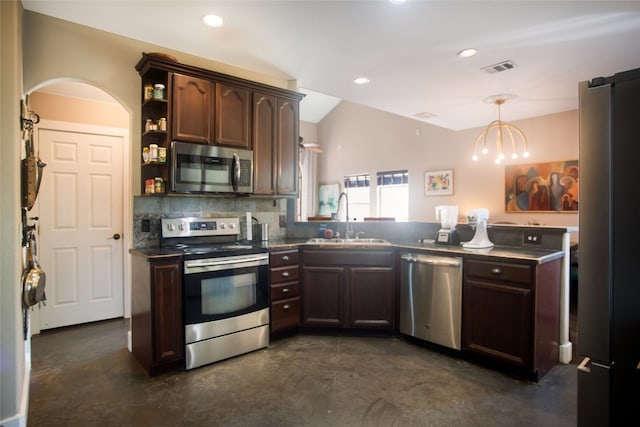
235, 173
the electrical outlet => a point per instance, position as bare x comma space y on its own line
145, 225
283, 221
533, 237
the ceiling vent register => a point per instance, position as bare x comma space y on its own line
499, 67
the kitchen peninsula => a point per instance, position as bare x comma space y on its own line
512, 294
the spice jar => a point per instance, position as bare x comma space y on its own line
162, 124
149, 186
153, 152
162, 155
159, 185
147, 125
145, 154
158, 91
148, 92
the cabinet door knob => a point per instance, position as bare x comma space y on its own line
285, 257
496, 270
285, 274
286, 307
285, 290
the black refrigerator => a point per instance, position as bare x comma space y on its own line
609, 263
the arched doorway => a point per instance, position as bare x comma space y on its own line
83, 205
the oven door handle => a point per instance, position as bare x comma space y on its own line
220, 262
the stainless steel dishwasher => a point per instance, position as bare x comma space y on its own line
431, 298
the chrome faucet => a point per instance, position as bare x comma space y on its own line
347, 231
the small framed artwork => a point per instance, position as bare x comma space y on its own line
438, 183
328, 199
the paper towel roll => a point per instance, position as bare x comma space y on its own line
249, 227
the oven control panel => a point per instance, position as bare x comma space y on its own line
192, 227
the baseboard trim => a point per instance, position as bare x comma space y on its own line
20, 419
566, 353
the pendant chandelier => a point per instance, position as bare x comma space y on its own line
502, 130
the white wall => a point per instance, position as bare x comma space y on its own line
14, 375
359, 139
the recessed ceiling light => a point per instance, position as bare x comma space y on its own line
467, 53
397, 1
212, 20
361, 81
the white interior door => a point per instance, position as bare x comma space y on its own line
80, 226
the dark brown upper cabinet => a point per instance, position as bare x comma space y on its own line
287, 147
207, 107
232, 116
275, 145
192, 109
264, 143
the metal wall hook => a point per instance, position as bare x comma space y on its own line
28, 118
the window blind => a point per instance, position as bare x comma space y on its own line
393, 177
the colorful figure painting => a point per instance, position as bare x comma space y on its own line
542, 187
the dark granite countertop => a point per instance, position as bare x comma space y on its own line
539, 256
154, 252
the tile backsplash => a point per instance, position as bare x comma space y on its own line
151, 209
148, 210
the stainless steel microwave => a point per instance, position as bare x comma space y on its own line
197, 168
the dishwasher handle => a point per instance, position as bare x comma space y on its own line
432, 260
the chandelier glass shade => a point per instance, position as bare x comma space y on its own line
503, 131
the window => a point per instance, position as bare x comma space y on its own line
393, 195
357, 189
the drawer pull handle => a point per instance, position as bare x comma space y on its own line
285, 274
286, 307
496, 270
285, 257
285, 290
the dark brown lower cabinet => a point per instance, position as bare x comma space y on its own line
323, 295
371, 297
511, 313
348, 288
284, 294
157, 330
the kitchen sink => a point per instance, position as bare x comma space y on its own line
348, 242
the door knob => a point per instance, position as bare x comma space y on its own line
116, 236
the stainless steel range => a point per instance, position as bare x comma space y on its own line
225, 289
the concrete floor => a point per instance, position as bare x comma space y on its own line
85, 376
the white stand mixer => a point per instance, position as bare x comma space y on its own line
478, 218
